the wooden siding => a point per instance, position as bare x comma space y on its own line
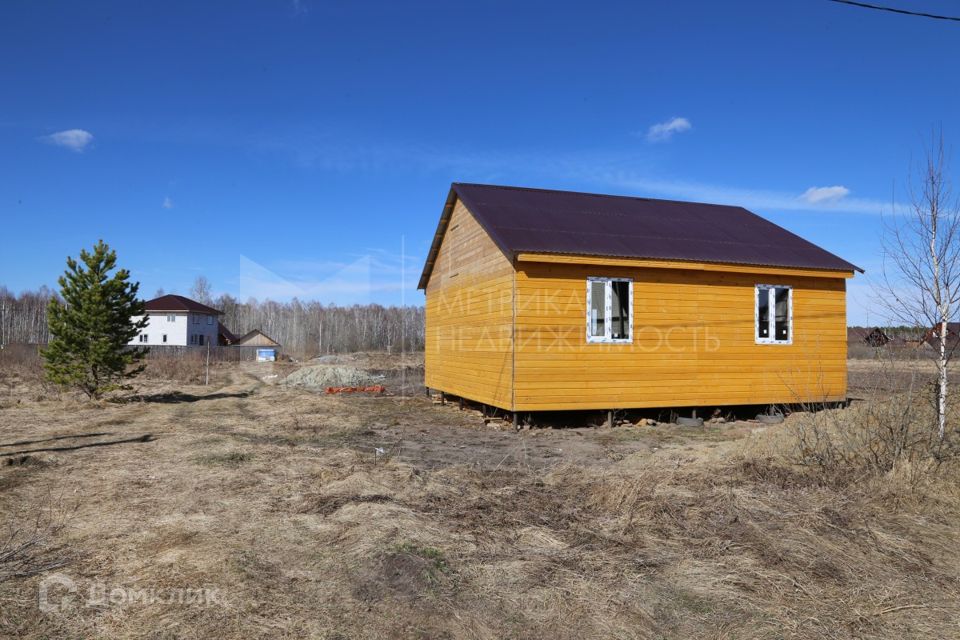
469, 315
256, 340
693, 342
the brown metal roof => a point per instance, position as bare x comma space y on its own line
175, 303
228, 336
250, 335
520, 219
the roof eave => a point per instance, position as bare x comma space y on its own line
219, 313
438, 238
543, 256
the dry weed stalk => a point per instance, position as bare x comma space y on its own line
26, 548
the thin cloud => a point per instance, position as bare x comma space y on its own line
819, 195
746, 197
634, 172
74, 139
167, 203
663, 131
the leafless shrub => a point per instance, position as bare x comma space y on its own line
26, 545
861, 351
883, 435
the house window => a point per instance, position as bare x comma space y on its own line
609, 310
209, 319
196, 319
171, 317
774, 314
144, 337
597, 318
200, 339
164, 338
193, 338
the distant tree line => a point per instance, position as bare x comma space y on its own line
310, 328
23, 318
305, 329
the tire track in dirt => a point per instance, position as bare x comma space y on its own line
227, 402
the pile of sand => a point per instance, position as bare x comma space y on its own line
322, 376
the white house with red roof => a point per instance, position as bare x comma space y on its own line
178, 321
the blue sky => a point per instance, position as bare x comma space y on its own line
296, 148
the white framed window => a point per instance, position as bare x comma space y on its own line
171, 317
196, 319
144, 338
193, 338
609, 310
773, 314
209, 319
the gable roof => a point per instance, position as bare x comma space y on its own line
264, 341
171, 302
520, 219
875, 336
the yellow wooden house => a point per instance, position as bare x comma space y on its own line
541, 300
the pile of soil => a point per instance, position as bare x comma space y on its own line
323, 376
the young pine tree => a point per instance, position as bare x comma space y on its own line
91, 328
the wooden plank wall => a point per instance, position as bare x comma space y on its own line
469, 316
258, 340
693, 341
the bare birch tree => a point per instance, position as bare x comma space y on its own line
23, 318
921, 272
201, 291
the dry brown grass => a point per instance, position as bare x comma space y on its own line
279, 499
20, 362
187, 369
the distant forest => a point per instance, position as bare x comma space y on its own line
305, 329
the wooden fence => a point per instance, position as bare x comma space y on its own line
217, 353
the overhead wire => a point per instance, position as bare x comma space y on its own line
907, 12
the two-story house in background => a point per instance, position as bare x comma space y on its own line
178, 321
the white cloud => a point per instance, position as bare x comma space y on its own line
168, 203
819, 195
663, 131
73, 139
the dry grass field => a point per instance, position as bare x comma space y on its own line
363, 516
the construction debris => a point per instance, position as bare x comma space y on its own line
376, 388
323, 376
